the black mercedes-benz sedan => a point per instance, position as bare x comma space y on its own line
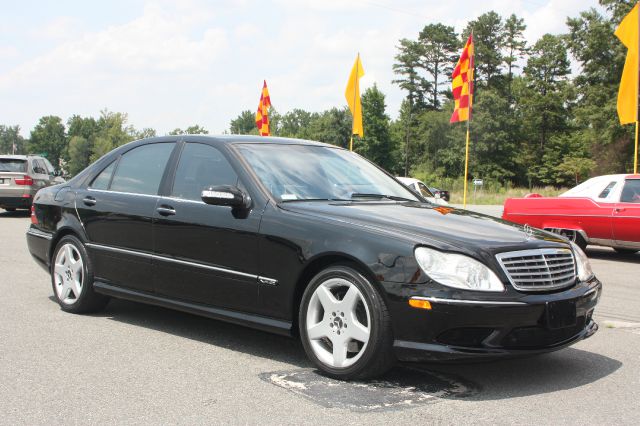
306, 239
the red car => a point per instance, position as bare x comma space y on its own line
604, 211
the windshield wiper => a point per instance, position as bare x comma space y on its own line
379, 196
313, 199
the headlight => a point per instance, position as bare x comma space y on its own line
582, 262
456, 270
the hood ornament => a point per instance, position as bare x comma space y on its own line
528, 232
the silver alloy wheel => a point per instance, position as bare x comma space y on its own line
68, 274
338, 323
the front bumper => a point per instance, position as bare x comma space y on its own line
463, 329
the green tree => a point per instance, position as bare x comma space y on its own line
48, 138
80, 149
196, 129
407, 68
244, 124
439, 47
376, 144
145, 133
601, 57
515, 46
10, 138
113, 131
488, 37
296, 124
332, 126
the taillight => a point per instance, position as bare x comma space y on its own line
26, 180
34, 218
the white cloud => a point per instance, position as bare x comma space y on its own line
185, 62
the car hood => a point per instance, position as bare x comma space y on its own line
424, 223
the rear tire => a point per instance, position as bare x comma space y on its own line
72, 278
345, 326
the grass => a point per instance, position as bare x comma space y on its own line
492, 192
497, 196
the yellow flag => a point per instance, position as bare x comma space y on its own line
627, 32
352, 94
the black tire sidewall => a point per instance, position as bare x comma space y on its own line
374, 301
81, 303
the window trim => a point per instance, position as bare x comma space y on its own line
172, 175
119, 160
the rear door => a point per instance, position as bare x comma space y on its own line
626, 216
117, 211
204, 253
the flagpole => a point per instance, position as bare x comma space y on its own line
466, 155
355, 94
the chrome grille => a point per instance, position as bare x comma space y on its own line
539, 269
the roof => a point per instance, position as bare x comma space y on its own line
14, 157
237, 139
407, 180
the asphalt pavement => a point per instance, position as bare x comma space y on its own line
137, 364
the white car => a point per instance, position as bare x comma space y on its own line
419, 187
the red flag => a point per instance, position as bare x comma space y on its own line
262, 119
462, 84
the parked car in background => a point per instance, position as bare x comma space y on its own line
311, 240
21, 176
440, 193
422, 189
603, 210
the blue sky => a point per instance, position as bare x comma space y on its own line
176, 63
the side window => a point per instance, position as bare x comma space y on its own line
201, 166
38, 167
424, 190
140, 170
607, 190
631, 191
102, 180
50, 169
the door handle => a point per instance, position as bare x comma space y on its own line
166, 210
89, 201
620, 209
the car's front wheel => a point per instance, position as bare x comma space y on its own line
72, 278
345, 326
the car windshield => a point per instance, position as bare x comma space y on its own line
13, 165
306, 172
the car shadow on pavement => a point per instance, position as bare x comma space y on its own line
562, 370
605, 253
209, 331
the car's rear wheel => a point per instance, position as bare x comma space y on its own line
72, 278
345, 326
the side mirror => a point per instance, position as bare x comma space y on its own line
226, 195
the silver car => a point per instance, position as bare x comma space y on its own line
21, 176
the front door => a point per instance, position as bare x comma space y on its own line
117, 209
204, 253
626, 216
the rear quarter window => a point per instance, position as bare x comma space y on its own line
13, 165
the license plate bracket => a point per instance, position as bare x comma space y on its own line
561, 314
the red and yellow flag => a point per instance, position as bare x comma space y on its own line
462, 84
262, 119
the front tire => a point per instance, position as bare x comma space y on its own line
72, 278
345, 326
